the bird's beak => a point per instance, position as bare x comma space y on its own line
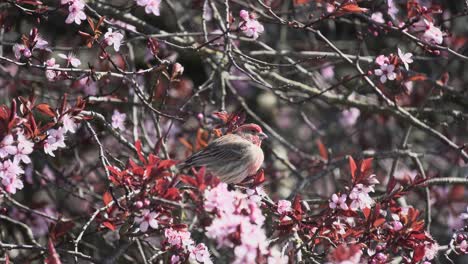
262, 135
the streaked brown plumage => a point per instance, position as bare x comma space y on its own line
231, 157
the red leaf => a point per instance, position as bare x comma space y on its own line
322, 149
188, 180
301, 2
107, 198
172, 194
45, 109
297, 207
53, 257
379, 222
350, 8
259, 178
418, 254
352, 167
139, 152
366, 212
165, 164
366, 165
109, 225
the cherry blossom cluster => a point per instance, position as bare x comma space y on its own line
237, 223
30, 43
15, 149
23, 135
249, 25
387, 65
181, 244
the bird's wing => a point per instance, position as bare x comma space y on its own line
225, 149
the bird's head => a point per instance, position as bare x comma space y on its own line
251, 132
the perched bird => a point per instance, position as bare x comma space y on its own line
231, 157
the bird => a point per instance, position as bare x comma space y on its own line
232, 157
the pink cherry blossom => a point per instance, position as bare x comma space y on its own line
178, 238
360, 197
463, 247
428, 31
55, 140
386, 72
250, 26
69, 124
431, 250
76, 13
328, 72
349, 117
151, 6
118, 120
219, 198
23, 149
338, 202
7, 146
12, 184
200, 254
148, 219
405, 58
71, 59
392, 8
284, 206
51, 74
396, 225
113, 39
21, 50
378, 17
10, 169
381, 60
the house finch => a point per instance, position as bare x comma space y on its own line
231, 157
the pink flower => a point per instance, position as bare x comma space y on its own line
21, 50
6, 146
338, 202
118, 120
148, 219
151, 6
51, 74
24, 148
71, 59
392, 9
378, 17
69, 123
349, 117
284, 206
464, 246
360, 197
175, 259
113, 38
76, 13
385, 72
176, 238
381, 60
200, 254
250, 26
346, 254
12, 183
405, 58
55, 140
328, 72
430, 33
10, 169
219, 198
431, 250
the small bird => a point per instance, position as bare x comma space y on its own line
232, 157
